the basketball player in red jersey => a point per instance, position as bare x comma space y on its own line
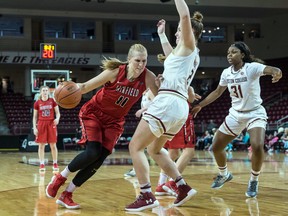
102, 118
45, 126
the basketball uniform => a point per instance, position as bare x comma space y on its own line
146, 100
102, 118
47, 131
169, 109
244, 88
185, 138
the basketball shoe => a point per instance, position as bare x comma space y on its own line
185, 193
159, 191
66, 200
252, 189
171, 188
144, 201
55, 167
42, 168
130, 173
220, 180
54, 185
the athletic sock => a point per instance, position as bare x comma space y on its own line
180, 181
144, 188
71, 187
223, 170
66, 172
162, 178
254, 175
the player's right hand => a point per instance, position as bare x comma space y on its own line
161, 26
195, 110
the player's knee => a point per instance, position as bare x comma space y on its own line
256, 147
154, 151
135, 147
93, 150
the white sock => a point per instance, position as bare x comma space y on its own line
223, 170
66, 172
180, 181
162, 178
71, 187
144, 188
54, 161
254, 175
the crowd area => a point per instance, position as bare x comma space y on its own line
275, 141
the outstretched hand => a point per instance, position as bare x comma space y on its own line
161, 26
276, 76
197, 97
195, 110
158, 80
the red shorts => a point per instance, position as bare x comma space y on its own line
185, 138
100, 127
47, 132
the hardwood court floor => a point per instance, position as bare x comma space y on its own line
22, 190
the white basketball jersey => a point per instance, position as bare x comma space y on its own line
179, 72
244, 85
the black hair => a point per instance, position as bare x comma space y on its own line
247, 53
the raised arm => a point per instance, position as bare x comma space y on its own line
188, 39
166, 46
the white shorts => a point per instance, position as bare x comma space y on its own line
237, 121
166, 115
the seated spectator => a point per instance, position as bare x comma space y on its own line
284, 139
211, 125
246, 138
205, 141
241, 139
214, 130
277, 136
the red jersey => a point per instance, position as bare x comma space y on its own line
45, 109
116, 99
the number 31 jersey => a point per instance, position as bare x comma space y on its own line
244, 85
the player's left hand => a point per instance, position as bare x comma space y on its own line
56, 122
276, 76
195, 110
158, 80
197, 97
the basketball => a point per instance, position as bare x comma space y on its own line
67, 94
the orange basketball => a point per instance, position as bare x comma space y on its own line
67, 94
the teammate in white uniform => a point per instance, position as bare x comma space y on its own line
243, 81
181, 147
146, 100
166, 114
